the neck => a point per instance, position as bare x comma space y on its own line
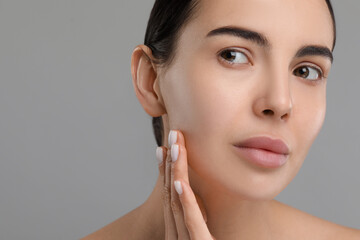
228, 217
150, 216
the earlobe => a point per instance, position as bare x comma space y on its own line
144, 76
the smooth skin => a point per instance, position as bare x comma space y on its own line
214, 102
183, 216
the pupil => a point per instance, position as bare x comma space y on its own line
304, 71
229, 55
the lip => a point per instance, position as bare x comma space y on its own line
263, 151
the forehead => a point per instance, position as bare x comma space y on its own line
283, 22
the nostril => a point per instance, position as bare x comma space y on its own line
268, 112
285, 116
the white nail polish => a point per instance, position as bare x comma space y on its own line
159, 154
174, 152
172, 137
178, 188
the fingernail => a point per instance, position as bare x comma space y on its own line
159, 154
174, 152
178, 187
172, 137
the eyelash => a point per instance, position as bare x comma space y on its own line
318, 70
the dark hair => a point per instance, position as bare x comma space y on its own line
167, 19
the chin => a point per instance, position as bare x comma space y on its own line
255, 191
255, 185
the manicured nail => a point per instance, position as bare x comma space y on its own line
172, 137
178, 187
159, 154
174, 152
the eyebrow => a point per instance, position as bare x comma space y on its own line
262, 41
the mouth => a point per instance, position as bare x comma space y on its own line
263, 151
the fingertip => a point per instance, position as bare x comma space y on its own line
174, 152
172, 137
159, 155
167, 154
187, 193
178, 187
181, 138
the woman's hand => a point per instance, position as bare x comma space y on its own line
182, 213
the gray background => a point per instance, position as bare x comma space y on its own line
76, 147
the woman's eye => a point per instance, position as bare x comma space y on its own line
234, 57
308, 72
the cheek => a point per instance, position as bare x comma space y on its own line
309, 114
199, 102
182, 101
306, 122
208, 103
209, 108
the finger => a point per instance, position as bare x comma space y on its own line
176, 207
193, 217
201, 205
194, 220
170, 226
181, 164
181, 169
161, 157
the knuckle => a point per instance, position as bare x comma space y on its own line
166, 192
175, 207
186, 201
168, 155
166, 196
188, 222
183, 149
191, 223
173, 168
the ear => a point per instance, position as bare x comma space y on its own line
146, 82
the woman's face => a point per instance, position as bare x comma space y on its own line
218, 98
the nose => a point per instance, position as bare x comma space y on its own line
275, 99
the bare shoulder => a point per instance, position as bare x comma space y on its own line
303, 225
120, 228
347, 233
